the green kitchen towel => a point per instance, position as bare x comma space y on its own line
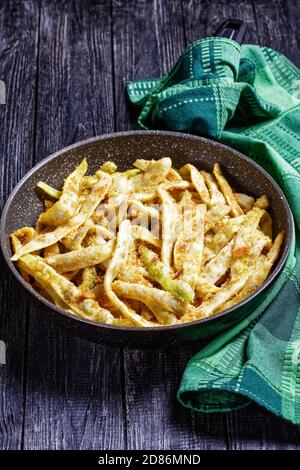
249, 98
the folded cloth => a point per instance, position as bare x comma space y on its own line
249, 98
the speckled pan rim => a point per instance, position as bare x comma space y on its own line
38, 297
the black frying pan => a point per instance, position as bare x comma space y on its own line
24, 206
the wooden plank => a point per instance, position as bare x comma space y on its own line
18, 46
202, 18
148, 38
74, 390
73, 394
290, 10
253, 427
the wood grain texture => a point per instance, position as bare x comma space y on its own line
148, 37
202, 18
155, 420
73, 389
278, 26
18, 47
253, 427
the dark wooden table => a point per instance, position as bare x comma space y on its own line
65, 64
